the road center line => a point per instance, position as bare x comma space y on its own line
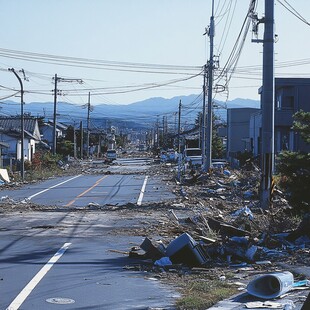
21, 297
47, 189
86, 191
139, 202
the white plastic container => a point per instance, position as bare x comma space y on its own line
271, 285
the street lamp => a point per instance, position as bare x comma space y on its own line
22, 160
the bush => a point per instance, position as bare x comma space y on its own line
295, 179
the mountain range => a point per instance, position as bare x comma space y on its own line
138, 114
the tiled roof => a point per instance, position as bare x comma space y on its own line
14, 123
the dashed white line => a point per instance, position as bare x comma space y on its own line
21, 297
139, 202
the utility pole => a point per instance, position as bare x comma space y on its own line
200, 130
81, 133
179, 128
22, 134
164, 134
267, 158
207, 164
267, 102
74, 142
99, 145
88, 123
54, 118
179, 142
56, 80
157, 132
204, 119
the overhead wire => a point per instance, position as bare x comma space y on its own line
97, 64
291, 9
234, 56
226, 27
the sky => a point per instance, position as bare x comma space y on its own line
130, 50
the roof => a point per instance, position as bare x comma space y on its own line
14, 123
17, 133
58, 125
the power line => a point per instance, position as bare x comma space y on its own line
293, 11
97, 64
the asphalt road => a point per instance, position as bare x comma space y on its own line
80, 190
73, 259
70, 260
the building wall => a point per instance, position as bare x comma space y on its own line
255, 132
291, 95
12, 142
14, 149
238, 130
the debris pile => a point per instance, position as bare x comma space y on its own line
205, 241
222, 226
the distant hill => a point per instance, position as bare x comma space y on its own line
138, 114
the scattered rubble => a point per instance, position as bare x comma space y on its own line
221, 226
213, 227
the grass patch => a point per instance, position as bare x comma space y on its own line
201, 293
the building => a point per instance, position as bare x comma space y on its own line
291, 96
238, 131
10, 134
47, 131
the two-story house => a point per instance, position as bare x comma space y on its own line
291, 95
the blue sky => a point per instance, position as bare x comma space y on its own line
157, 32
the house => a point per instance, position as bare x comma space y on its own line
291, 95
47, 130
2, 147
10, 134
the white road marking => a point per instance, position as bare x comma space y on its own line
47, 189
21, 297
139, 202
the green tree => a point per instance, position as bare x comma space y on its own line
65, 147
217, 142
302, 124
70, 134
294, 167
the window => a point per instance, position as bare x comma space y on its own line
288, 103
